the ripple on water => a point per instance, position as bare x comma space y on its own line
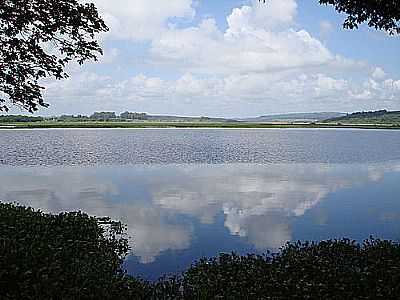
171, 146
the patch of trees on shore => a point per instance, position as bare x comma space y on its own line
376, 113
19, 118
376, 117
97, 116
106, 116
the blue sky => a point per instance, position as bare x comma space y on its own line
231, 58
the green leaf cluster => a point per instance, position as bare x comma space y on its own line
334, 269
378, 14
38, 39
75, 256
65, 256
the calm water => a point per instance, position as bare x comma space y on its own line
185, 194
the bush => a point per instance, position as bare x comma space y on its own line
66, 256
74, 256
335, 269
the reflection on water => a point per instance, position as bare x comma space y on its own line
177, 213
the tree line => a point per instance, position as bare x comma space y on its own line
19, 118
96, 116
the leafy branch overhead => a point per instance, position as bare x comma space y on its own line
378, 14
38, 39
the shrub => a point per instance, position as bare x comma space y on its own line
65, 256
74, 256
334, 269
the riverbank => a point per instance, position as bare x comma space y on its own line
244, 125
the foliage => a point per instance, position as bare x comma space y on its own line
334, 269
103, 116
378, 14
71, 118
133, 116
66, 256
369, 117
38, 39
74, 256
19, 118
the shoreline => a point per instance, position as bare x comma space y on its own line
192, 125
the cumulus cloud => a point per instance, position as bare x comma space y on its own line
378, 73
141, 19
230, 95
261, 63
275, 13
246, 46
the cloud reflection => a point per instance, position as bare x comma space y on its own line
159, 203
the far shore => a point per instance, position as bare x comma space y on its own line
243, 125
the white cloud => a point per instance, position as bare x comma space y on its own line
272, 13
246, 46
259, 64
378, 73
325, 28
141, 19
229, 95
109, 56
391, 84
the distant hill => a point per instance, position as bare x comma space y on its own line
369, 117
295, 117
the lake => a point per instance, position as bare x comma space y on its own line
189, 193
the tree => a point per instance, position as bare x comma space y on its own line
133, 116
38, 39
378, 14
103, 116
66, 256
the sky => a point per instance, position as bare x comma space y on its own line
230, 58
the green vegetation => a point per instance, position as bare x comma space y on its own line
133, 116
335, 269
364, 120
66, 256
19, 118
103, 116
74, 256
27, 28
381, 17
158, 124
370, 117
112, 117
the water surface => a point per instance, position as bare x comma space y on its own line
212, 146
185, 194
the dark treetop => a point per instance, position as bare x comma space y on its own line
379, 14
38, 38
